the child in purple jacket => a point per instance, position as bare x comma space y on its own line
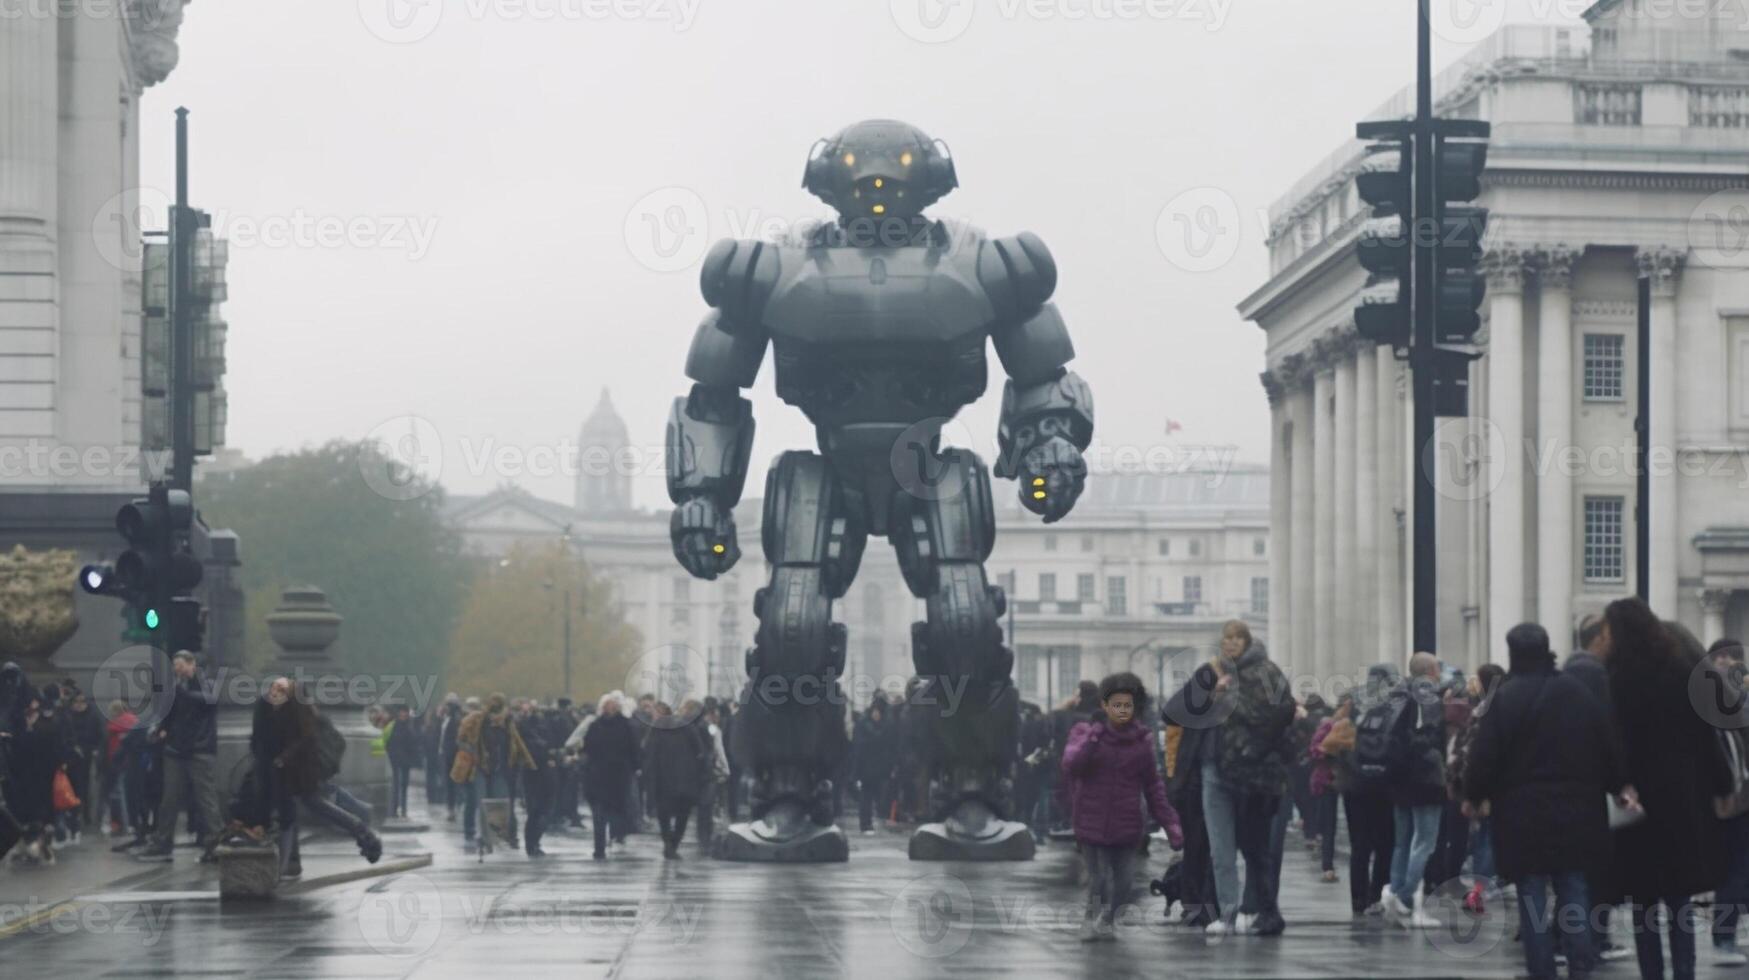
1111, 772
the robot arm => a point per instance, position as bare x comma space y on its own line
710, 435
1047, 410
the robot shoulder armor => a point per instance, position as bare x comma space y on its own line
1018, 273
738, 277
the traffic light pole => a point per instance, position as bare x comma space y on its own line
1422, 354
184, 224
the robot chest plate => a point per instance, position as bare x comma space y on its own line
903, 297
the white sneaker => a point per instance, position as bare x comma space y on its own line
1242, 923
1217, 929
1375, 909
1612, 953
1729, 956
1420, 918
868, 833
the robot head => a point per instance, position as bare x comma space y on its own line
880, 168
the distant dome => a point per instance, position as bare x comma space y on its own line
604, 479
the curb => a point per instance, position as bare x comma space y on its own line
388, 866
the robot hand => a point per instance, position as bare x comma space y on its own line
704, 538
1052, 475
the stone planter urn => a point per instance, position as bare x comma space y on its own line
304, 625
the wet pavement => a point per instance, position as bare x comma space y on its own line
635, 916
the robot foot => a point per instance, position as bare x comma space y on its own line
973, 832
785, 835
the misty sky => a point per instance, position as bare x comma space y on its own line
478, 221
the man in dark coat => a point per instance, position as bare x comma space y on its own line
190, 737
872, 754
610, 748
1188, 737
677, 763
1544, 754
1586, 665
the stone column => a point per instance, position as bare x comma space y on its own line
1664, 266
1554, 413
1392, 483
29, 181
1302, 620
1368, 567
1324, 531
1713, 603
1346, 559
1280, 519
1505, 364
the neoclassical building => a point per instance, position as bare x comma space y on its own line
1139, 577
1618, 153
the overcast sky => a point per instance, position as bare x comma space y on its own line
480, 213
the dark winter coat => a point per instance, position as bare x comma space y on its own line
1111, 773
283, 740
1189, 736
1542, 752
37, 751
873, 748
610, 748
1423, 782
192, 725
1674, 761
403, 743
1256, 742
677, 761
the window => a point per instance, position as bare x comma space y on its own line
1260, 596
1084, 587
1193, 588
1050, 542
1086, 542
1006, 580
1603, 367
1195, 547
1116, 597
1605, 548
1606, 105
1165, 547
682, 588
1258, 546
1047, 587
1068, 670
1027, 658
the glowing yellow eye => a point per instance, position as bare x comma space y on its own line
879, 183
905, 159
719, 549
850, 159
1038, 495
880, 209
1038, 481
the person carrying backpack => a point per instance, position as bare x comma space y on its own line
1408, 754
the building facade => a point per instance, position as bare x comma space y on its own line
1139, 577
1617, 153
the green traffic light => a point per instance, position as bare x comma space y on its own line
151, 619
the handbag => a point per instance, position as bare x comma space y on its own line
65, 798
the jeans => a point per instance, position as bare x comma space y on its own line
1371, 836
1482, 849
286, 808
468, 795
1111, 871
398, 801
1240, 823
608, 819
1261, 891
1649, 927
1734, 890
1538, 923
1417, 830
183, 773
1453, 843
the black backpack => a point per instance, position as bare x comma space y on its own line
1381, 742
330, 747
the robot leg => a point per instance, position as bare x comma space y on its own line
970, 706
790, 733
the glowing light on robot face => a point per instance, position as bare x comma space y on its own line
1038, 495
905, 159
850, 159
879, 183
719, 549
880, 209
1038, 481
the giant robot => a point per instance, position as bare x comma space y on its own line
876, 324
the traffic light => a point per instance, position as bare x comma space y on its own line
1451, 383
1459, 286
1383, 248
156, 573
